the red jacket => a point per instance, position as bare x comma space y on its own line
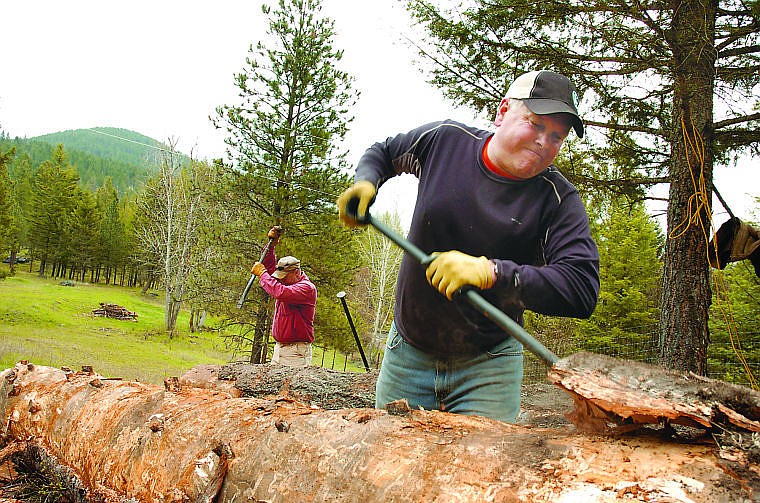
294, 304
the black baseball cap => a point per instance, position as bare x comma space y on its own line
545, 92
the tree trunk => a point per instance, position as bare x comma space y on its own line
172, 311
12, 262
258, 346
686, 294
127, 440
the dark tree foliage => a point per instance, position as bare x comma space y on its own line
7, 221
667, 92
54, 196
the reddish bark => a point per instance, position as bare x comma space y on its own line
623, 395
134, 440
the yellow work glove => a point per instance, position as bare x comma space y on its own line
354, 203
258, 269
449, 271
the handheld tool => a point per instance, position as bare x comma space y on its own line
490, 311
342, 296
253, 276
609, 395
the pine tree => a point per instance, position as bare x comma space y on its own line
111, 236
7, 221
53, 201
287, 170
85, 226
23, 182
630, 244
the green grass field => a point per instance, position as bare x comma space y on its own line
50, 324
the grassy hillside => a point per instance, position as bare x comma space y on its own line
50, 324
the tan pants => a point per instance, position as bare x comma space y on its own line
292, 355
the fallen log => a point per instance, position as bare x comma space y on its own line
328, 389
133, 440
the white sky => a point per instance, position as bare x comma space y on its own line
161, 67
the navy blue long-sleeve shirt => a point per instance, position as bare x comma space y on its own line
536, 231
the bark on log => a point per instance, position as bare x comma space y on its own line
134, 440
622, 395
325, 388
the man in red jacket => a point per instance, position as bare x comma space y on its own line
295, 302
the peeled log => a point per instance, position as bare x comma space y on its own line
134, 440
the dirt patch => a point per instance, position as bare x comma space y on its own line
544, 406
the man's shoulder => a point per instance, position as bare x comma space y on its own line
449, 126
555, 176
306, 283
555, 182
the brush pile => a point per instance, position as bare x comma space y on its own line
115, 311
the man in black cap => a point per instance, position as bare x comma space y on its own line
295, 303
499, 217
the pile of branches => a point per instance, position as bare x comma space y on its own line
115, 311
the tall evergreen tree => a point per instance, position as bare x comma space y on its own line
287, 171
7, 221
86, 223
112, 251
53, 201
23, 182
653, 74
630, 244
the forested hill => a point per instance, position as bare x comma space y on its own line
126, 156
120, 145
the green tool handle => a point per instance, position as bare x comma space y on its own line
488, 310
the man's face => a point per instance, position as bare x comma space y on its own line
291, 277
524, 143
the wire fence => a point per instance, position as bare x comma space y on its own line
723, 361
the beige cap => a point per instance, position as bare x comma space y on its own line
285, 265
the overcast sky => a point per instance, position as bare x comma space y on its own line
162, 67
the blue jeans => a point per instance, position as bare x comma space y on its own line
487, 384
